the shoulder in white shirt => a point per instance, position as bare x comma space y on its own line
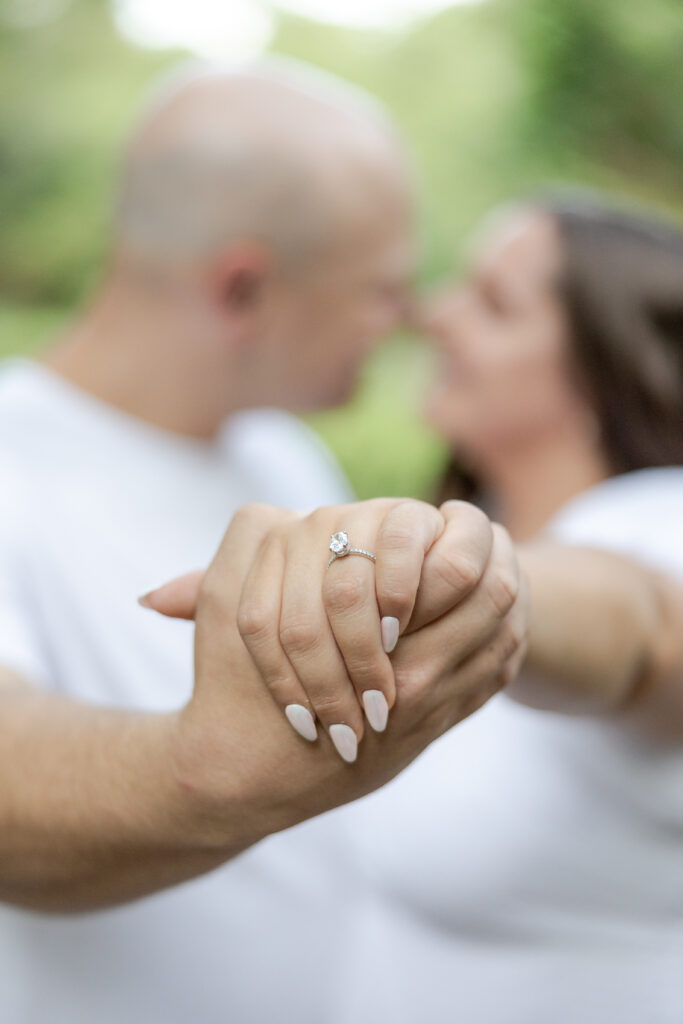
96, 508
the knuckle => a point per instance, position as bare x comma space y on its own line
479, 520
366, 669
322, 518
342, 593
298, 636
393, 595
502, 588
282, 688
242, 515
254, 512
398, 525
457, 571
396, 535
471, 516
330, 707
253, 621
415, 683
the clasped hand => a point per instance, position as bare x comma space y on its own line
445, 593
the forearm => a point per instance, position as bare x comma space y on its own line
92, 811
604, 635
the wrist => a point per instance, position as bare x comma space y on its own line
237, 787
223, 803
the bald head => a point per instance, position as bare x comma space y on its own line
271, 154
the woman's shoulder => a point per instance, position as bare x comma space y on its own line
638, 514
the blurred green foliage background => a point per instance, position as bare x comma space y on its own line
495, 98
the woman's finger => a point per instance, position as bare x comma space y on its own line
350, 601
407, 532
283, 622
306, 635
258, 621
455, 564
366, 621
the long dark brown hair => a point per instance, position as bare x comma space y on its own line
622, 289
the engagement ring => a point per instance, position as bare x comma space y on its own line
340, 548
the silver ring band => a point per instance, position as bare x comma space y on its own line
340, 548
353, 551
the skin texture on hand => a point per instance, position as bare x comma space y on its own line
91, 812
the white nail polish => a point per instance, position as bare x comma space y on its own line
389, 626
376, 709
345, 740
301, 719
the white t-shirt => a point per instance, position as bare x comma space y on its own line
96, 508
528, 867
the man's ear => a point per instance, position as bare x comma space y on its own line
237, 279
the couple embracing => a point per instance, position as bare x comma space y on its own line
165, 851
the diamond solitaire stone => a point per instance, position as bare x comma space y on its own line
339, 543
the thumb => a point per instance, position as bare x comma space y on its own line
176, 599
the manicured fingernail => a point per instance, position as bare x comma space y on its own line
345, 740
144, 601
376, 709
301, 719
389, 626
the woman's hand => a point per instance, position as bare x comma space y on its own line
320, 635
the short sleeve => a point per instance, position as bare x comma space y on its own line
639, 515
21, 645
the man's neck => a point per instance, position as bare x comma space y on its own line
127, 352
531, 482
